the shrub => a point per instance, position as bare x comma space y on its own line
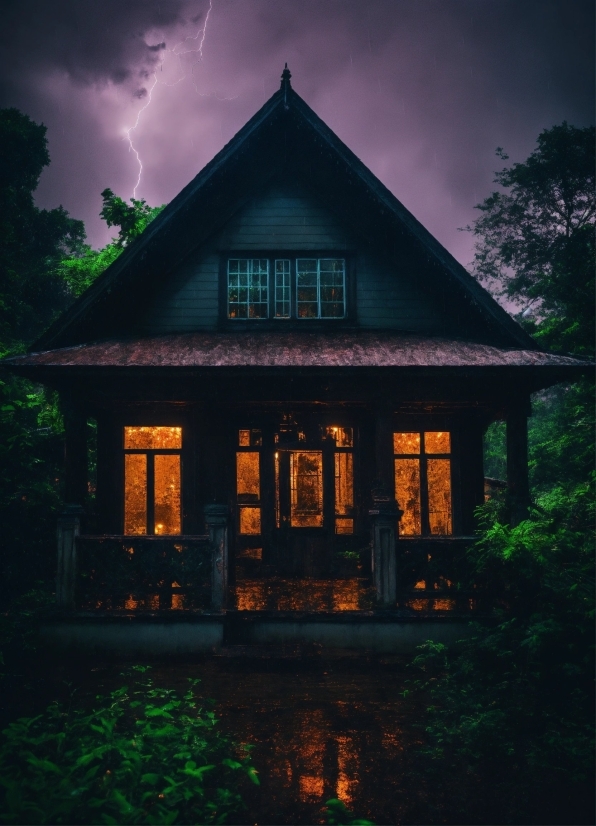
143, 754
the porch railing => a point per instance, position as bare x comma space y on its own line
143, 572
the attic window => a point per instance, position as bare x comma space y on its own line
248, 288
301, 288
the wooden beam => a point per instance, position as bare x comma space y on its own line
517, 463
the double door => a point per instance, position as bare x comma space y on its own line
294, 496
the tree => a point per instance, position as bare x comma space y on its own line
80, 270
535, 240
32, 241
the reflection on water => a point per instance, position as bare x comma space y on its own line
332, 726
303, 594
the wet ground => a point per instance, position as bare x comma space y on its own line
324, 724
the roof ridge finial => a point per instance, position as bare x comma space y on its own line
285, 82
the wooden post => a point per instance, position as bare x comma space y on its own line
75, 491
384, 516
216, 518
75, 452
517, 464
69, 527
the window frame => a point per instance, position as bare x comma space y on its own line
423, 456
150, 454
292, 321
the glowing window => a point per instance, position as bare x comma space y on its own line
306, 489
152, 438
423, 482
343, 436
152, 480
248, 483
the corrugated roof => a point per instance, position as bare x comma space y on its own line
291, 350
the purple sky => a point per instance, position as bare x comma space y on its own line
423, 91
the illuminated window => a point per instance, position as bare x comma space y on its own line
152, 480
248, 482
344, 477
306, 489
423, 482
248, 288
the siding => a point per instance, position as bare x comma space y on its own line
283, 218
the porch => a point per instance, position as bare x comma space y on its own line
169, 596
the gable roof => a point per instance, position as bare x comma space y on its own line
284, 135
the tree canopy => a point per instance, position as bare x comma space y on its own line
33, 241
535, 239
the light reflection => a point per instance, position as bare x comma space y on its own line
301, 594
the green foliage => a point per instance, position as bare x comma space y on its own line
512, 704
44, 264
338, 813
80, 270
536, 239
132, 220
32, 240
143, 754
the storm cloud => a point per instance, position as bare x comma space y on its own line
423, 91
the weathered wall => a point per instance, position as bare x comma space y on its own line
284, 218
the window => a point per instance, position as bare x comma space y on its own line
306, 489
248, 482
248, 288
344, 477
303, 288
423, 482
152, 477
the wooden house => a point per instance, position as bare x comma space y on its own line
291, 379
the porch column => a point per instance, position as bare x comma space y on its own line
384, 516
75, 490
69, 527
517, 463
216, 518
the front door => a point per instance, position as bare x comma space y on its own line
294, 496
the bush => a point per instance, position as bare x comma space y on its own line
511, 706
142, 755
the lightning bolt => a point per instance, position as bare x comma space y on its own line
178, 51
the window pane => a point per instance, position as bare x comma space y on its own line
439, 495
248, 288
344, 526
406, 442
152, 438
332, 287
344, 436
306, 473
344, 484
244, 438
437, 441
307, 289
247, 474
167, 494
135, 493
407, 493
282, 289
250, 521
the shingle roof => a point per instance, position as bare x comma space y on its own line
291, 349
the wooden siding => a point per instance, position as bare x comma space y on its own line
283, 218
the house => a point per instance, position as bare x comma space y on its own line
291, 379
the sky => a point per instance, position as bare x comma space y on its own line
138, 95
